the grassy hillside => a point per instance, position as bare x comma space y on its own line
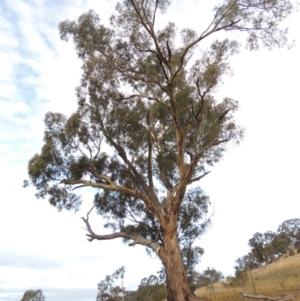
277, 279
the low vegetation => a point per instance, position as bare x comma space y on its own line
279, 278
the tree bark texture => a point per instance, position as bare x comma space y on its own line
177, 283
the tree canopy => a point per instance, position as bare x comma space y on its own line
111, 288
268, 246
148, 125
150, 289
290, 229
208, 277
33, 295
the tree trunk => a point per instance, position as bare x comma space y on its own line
212, 286
177, 284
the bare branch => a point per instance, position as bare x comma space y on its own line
204, 35
151, 202
154, 13
98, 147
102, 177
212, 22
87, 215
145, 96
137, 239
224, 114
181, 186
169, 52
76, 187
150, 176
133, 219
198, 178
159, 59
149, 28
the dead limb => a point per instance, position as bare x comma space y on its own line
136, 238
262, 297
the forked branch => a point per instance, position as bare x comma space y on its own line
136, 238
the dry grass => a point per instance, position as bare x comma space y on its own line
277, 279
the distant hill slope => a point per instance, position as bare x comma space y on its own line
276, 279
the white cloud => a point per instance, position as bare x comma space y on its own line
9, 109
19, 259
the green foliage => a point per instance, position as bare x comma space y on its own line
208, 277
261, 246
129, 296
33, 295
150, 289
145, 100
291, 230
109, 290
265, 247
281, 243
240, 277
246, 262
269, 245
261, 19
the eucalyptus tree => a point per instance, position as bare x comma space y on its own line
148, 124
33, 295
262, 246
150, 289
246, 263
208, 277
291, 230
111, 288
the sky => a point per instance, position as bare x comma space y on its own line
253, 189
